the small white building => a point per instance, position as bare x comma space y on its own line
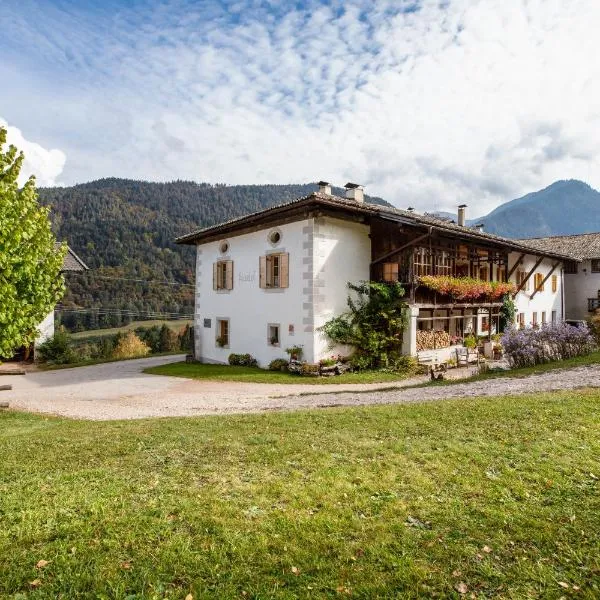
71, 264
582, 274
270, 280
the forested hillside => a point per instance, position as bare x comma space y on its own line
126, 229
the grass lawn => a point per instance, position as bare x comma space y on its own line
496, 497
257, 375
95, 334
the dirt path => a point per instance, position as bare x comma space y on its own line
122, 391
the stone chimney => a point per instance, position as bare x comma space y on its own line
410, 209
355, 192
480, 227
324, 187
462, 212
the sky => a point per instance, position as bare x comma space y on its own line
426, 103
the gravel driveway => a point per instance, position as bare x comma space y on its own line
121, 391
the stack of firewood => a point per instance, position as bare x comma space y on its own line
430, 340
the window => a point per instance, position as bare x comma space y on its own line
554, 283
554, 316
222, 338
273, 334
539, 282
223, 275
224, 247
521, 320
595, 265
534, 319
521, 275
543, 317
422, 262
274, 237
274, 271
501, 274
390, 271
483, 273
443, 263
571, 268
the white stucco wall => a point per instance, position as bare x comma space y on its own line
546, 301
341, 254
578, 288
249, 308
46, 330
324, 255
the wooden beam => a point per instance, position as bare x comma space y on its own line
545, 279
403, 247
537, 264
509, 274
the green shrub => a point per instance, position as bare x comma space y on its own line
242, 360
279, 364
168, 340
57, 349
373, 325
186, 339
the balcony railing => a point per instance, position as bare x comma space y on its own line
593, 304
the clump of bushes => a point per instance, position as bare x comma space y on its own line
552, 341
242, 360
130, 346
57, 349
279, 364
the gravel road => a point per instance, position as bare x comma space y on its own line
121, 390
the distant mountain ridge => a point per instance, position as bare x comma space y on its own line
566, 207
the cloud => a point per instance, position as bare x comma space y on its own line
429, 104
46, 165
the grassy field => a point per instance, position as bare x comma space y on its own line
95, 334
474, 498
257, 375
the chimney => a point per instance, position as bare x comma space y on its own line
461, 214
479, 227
355, 192
324, 187
410, 209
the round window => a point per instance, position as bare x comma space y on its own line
224, 247
275, 237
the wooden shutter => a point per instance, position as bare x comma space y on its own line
263, 272
284, 270
215, 275
229, 275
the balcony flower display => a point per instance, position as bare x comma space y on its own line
467, 288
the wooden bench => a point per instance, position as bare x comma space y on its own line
436, 368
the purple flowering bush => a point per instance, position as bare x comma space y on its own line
552, 341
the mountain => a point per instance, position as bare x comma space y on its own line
563, 208
125, 230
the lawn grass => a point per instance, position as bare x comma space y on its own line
499, 495
96, 334
257, 375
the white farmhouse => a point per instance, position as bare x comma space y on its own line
582, 275
270, 280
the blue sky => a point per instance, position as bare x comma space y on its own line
426, 103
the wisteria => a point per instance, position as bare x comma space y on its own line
552, 341
467, 288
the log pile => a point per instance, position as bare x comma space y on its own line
431, 340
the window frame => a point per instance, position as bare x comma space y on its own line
220, 321
274, 271
277, 327
391, 272
595, 265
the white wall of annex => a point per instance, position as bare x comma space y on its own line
45, 330
546, 301
578, 288
342, 254
249, 308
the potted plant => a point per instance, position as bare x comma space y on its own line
221, 342
274, 341
295, 352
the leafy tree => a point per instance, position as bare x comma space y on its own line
373, 325
168, 339
507, 312
30, 263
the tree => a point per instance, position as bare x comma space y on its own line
30, 262
373, 325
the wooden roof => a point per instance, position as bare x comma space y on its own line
346, 208
72, 263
